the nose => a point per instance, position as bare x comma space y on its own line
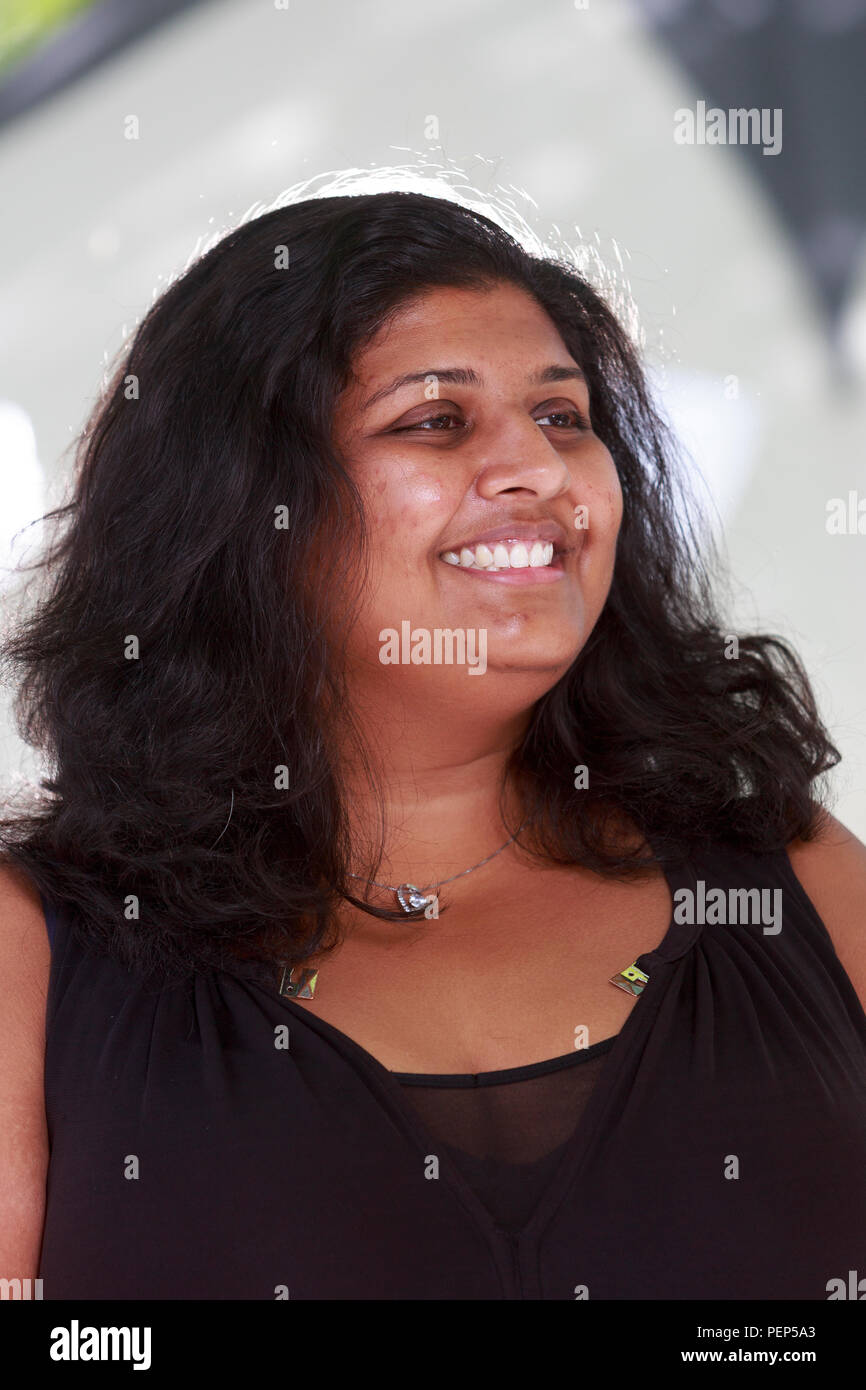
524, 461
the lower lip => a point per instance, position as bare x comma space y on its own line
540, 574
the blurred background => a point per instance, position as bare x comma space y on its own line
135, 132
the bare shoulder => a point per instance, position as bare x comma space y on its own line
25, 960
25, 954
832, 870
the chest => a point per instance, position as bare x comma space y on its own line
716, 1117
496, 982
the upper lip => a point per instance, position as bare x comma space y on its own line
515, 531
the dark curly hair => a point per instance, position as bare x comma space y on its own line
203, 482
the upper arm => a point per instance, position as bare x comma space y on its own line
832, 870
25, 959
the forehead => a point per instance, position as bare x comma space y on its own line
499, 329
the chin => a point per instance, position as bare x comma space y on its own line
541, 660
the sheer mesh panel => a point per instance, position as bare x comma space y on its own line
507, 1130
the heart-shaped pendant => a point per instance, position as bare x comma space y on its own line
411, 898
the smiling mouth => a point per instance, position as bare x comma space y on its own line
514, 555
509, 562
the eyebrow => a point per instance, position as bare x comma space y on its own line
466, 376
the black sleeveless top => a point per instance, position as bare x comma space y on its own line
214, 1140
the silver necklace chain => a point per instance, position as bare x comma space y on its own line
371, 882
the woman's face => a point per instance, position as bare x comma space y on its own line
490, 444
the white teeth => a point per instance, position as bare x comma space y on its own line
501, 557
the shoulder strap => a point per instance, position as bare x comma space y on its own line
50, 919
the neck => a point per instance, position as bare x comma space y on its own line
443, 793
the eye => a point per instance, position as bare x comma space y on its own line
438, 424
576, 416
428, 420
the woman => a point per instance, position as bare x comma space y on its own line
440, 900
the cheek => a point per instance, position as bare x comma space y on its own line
613, 506
604, 507
402, 496
609, 493
602, 495
406, 512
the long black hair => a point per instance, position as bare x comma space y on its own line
177, 671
